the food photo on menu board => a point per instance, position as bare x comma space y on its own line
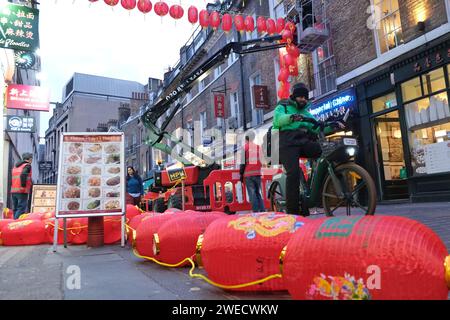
91, 174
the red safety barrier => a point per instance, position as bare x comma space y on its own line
224, 191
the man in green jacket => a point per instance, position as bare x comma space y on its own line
297, 139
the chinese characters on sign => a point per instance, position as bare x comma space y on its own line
20, 124
219, 105
27, 98
43, 198
261, 97
19, 27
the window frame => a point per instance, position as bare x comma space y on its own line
379, 25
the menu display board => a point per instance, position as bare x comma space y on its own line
437, 157
91, 175
43, 198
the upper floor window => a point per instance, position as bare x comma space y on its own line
277, 9
388, 25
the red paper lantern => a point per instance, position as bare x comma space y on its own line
78, 228
245, 248
176, 12
93, 0
134, 224
280, 24
23, 232
144, 6
368, 257
50, 232
111, 3
176, 239
287, 36
271, 26
284, 91
289, 60
3, 223
214, 20
204, 18
161, 8
193, 14
290, 26
249, 24
112, 229
131, 211
128, 4
293, 50
261, 24
34, 216
293, 70
227, 22
283, 76
239, 23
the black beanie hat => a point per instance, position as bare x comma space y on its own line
27, 156
300, 90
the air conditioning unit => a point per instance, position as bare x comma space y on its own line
232, 123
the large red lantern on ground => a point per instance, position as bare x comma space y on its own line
132, 211
245, 248
370, 257
176, 12
111, 3
161, 8
193, 15
144, 6
214, 20
78, 228
3, 223
281, 23
239, 23
134, 224
227, 22
261, 24
204, 18
23, 232
249, 24
128, 4
271, 26
50, 232
177, 238
112, 227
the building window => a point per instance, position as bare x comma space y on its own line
325, 69
388, 25
234, 108
203, 123
277, 9
428, 122
385, 102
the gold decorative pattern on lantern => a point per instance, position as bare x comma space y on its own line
282, 255
447, 271
155, 244
198, 249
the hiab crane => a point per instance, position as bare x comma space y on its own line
198, 166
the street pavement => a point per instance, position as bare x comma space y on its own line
114, 273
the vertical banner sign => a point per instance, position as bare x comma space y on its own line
24, 97
219, 105
19, 27
261, 97
91, 179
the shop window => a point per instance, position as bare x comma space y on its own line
411, 89
389, 28
428, 123
433, 81
385, 102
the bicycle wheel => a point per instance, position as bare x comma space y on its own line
358, 192
277, 199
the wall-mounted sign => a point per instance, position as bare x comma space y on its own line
27, 97
336, 105
43, 198
20, 124
19, 27
261, 97
24, 59
219, 105
45, 166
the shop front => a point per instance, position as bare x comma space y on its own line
405, 117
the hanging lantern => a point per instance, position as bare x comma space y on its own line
366, 257
289, 60
227, 22
193, 15
287, 36
22, 233
249, 24
280, 25
293, 70
161, 8
271, 26
239, 23
176, 12
261, 24
283, 75
144, 6
111, 3
293, 50
176, 239
285, 90
290, 26
204, 18
244, 248
214, 20
128, 4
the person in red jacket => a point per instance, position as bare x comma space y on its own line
250, 170
21, 184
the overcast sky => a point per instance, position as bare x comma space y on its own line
77, 36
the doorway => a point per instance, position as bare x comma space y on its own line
390, 158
